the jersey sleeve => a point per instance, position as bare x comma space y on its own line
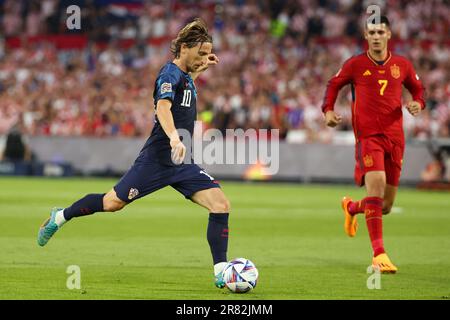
166, 86
414, 85
343, 77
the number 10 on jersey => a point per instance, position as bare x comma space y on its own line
187, 96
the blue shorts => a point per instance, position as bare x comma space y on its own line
144, 178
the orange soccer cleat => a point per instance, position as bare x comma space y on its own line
383, 263
350, 224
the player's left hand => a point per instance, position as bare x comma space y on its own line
212, 60
414, 107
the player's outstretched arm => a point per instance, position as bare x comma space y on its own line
212, 60
165, 118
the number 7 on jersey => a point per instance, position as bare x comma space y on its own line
383, 84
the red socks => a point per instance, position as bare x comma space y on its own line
356, 207
373, 207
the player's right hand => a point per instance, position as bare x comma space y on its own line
332, 119
178, 151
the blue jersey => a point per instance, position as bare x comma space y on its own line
177, 86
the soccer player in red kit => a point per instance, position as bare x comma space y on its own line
376, 79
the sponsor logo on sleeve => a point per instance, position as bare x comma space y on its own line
166, 87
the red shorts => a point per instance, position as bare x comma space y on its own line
378, 153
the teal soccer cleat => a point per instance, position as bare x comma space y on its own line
219, 282
48, 228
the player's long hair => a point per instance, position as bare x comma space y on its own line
193, 33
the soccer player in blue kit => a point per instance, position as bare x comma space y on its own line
160, 162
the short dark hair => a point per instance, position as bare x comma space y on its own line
193, 33
383, 19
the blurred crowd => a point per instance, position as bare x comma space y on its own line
275, 60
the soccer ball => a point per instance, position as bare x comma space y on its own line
240, 275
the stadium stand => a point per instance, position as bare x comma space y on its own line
275, 61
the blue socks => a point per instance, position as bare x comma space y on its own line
217, 235
88, 205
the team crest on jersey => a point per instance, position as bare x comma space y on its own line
395, 71
368, 161
166, 87
133, 193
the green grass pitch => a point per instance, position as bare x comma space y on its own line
156, 248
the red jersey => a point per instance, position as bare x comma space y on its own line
376, 94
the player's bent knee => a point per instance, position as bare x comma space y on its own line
221, 206
376, 189
375, 184
227, 206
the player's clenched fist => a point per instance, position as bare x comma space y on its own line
332, 119
414, 107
